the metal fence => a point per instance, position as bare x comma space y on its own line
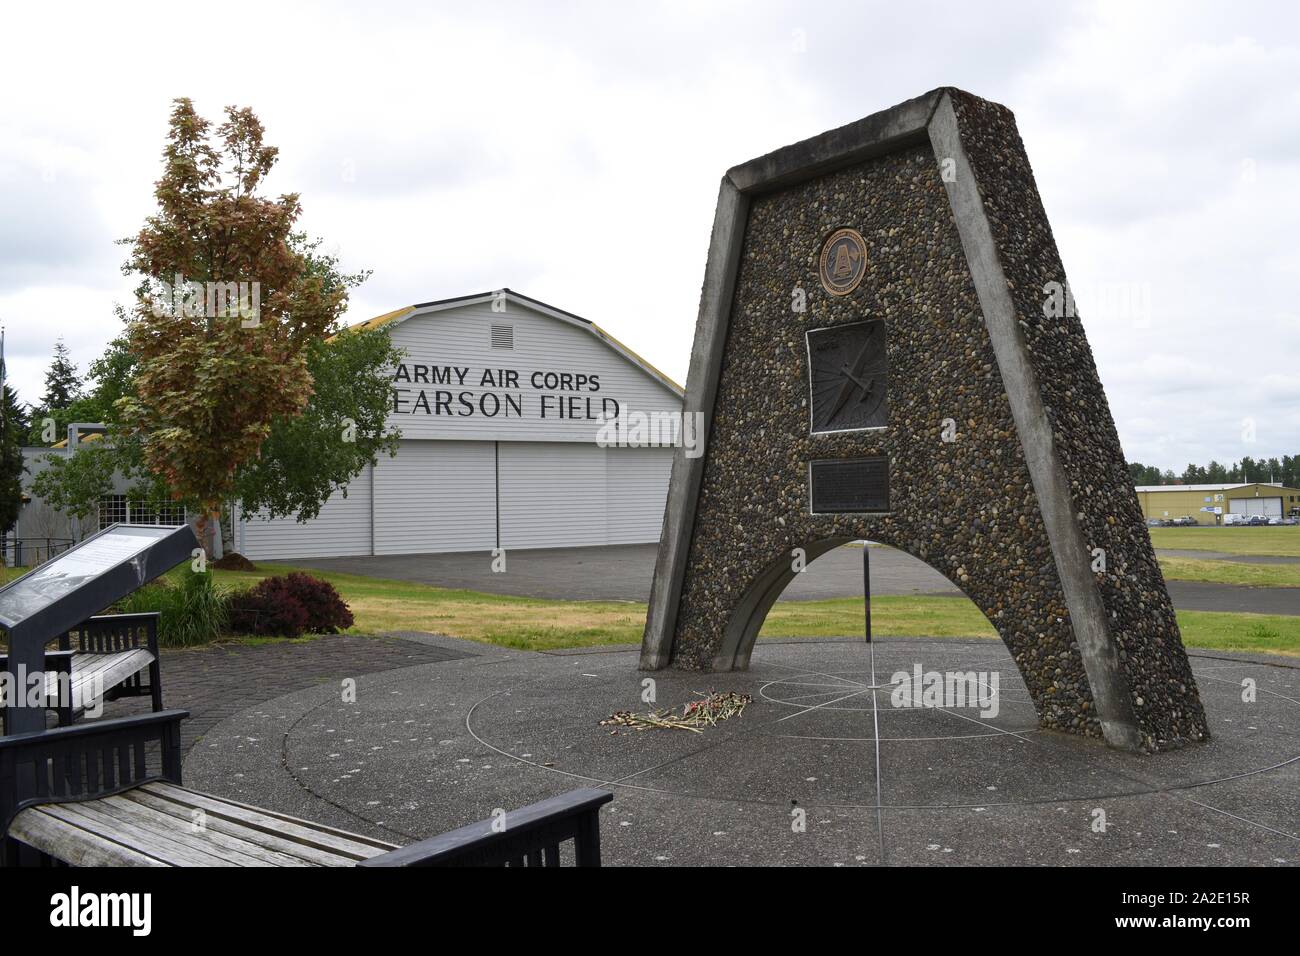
29, 552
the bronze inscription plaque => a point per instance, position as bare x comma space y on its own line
849, 485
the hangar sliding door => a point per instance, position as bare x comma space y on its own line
636, 488
436, 496
1269, 507
552, 494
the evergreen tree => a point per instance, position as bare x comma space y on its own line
1285, 470
13, 429
62, 384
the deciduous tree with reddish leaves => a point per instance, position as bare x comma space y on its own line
226, 310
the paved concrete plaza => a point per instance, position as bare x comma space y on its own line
624, 572
434, 743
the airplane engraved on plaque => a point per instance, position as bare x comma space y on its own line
848, 377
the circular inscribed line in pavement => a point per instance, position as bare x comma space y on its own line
922, 738
825, 767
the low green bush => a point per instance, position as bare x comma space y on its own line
192, 608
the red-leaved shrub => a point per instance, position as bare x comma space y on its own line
288, 606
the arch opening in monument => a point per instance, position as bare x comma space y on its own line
761, 593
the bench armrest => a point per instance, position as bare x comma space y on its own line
53, 659
531, 834
60, 662
88, 760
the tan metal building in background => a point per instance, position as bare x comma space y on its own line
1208, 504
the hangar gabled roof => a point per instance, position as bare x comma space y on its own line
1230, 486
424, 308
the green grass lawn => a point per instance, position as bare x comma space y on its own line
525, 623
958, 617
1282, 540
1232, 572
890, 614
537, 624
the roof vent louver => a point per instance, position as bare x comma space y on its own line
503, 336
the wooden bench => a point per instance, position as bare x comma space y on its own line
108, 793
109, 655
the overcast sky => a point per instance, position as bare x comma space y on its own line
572, 152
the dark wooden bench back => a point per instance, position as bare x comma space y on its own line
102, 757
110, 633
529, 836
86, 761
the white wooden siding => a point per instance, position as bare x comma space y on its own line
342, 529
462, 337
636, 488
436, 496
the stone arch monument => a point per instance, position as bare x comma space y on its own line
886, 348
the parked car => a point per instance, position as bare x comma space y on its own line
1232, 519
1186, 521
1258, 520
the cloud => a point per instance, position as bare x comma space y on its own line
572, 151
50, 226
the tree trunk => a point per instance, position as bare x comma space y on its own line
216, 550
208, 530
201, 530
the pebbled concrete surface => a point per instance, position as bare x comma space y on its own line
623, 573
435, 745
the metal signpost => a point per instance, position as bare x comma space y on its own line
866, 585
66, 591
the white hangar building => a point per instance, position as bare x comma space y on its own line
499, 400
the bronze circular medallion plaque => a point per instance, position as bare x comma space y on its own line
843, 262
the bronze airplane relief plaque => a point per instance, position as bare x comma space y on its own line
848, 377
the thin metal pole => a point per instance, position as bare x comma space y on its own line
866, 588
875, 715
